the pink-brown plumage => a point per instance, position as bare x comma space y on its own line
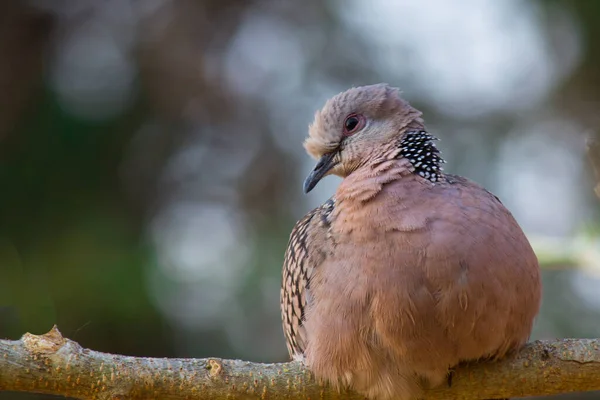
406, 271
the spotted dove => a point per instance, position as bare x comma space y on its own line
406, 271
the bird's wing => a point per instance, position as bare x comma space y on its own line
308, 247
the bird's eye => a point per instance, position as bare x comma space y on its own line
353, 123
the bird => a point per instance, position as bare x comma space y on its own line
406, 271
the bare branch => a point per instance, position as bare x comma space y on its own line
54, 365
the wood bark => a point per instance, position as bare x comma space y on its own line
52, 364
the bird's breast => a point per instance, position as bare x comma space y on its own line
381, 216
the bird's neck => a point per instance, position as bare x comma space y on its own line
418, 147
367, 181
414, 157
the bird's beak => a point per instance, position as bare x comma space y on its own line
321, 169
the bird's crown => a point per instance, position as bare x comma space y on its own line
355, 110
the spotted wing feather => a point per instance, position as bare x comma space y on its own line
308, 246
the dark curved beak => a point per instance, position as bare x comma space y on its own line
321, 169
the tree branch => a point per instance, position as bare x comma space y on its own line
593, 152
52, 364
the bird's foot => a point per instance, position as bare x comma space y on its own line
450, 376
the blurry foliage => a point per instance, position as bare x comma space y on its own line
79, 196
70, 238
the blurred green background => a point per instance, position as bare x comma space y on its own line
151, 159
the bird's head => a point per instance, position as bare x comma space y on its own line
356, 128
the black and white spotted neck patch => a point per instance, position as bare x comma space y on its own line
419, 149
